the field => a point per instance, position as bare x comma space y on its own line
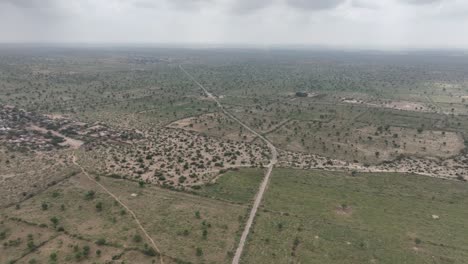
331, 217
86, 215
234, 186
105, 150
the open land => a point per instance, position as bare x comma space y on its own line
120, 156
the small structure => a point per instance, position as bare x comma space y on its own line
302, 94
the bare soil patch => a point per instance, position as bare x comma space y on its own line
344, 210
397, 105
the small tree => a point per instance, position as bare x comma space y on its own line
101, 241
137, 238
90, 195
99, 206
86, 250
53, 257
149, 251
54, 221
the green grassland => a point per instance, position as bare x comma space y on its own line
332, 217
306, 216
181, 224
238, 186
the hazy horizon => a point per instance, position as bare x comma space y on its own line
227, 46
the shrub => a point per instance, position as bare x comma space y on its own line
54, 221
137, 238
101, 241
149, 251
90, 195
99, 206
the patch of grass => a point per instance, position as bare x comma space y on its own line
387, 218
236, 186
172, 220
82, 216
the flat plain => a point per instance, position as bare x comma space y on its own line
117, 156
336, 217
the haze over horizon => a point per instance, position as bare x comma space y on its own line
386, 24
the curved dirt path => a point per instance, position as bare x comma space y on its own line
123, 205
266, 179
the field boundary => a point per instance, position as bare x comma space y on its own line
123, 205
266, 179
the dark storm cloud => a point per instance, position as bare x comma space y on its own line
314, 4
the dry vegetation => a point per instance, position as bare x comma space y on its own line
75, 214
174, 158
146, 132
364, 143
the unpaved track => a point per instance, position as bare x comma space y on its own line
123, 205
266, 179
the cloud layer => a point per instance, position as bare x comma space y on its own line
345, 23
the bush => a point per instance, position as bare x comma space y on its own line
90, 195
137, 238
54, 221
461, 178
86, 250
2, 235
99, 206
101, 241
149, 251
53, 257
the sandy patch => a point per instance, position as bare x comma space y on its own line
398, 105
344, 210
55, 116
72, 143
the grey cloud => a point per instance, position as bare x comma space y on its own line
314, 4
42, 10
30, 3
189, 4
364, 4
249, 6
421, 2
145, 4
358, 23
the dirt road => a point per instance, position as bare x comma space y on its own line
123, 205
266, 179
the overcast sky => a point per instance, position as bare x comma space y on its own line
344, 23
